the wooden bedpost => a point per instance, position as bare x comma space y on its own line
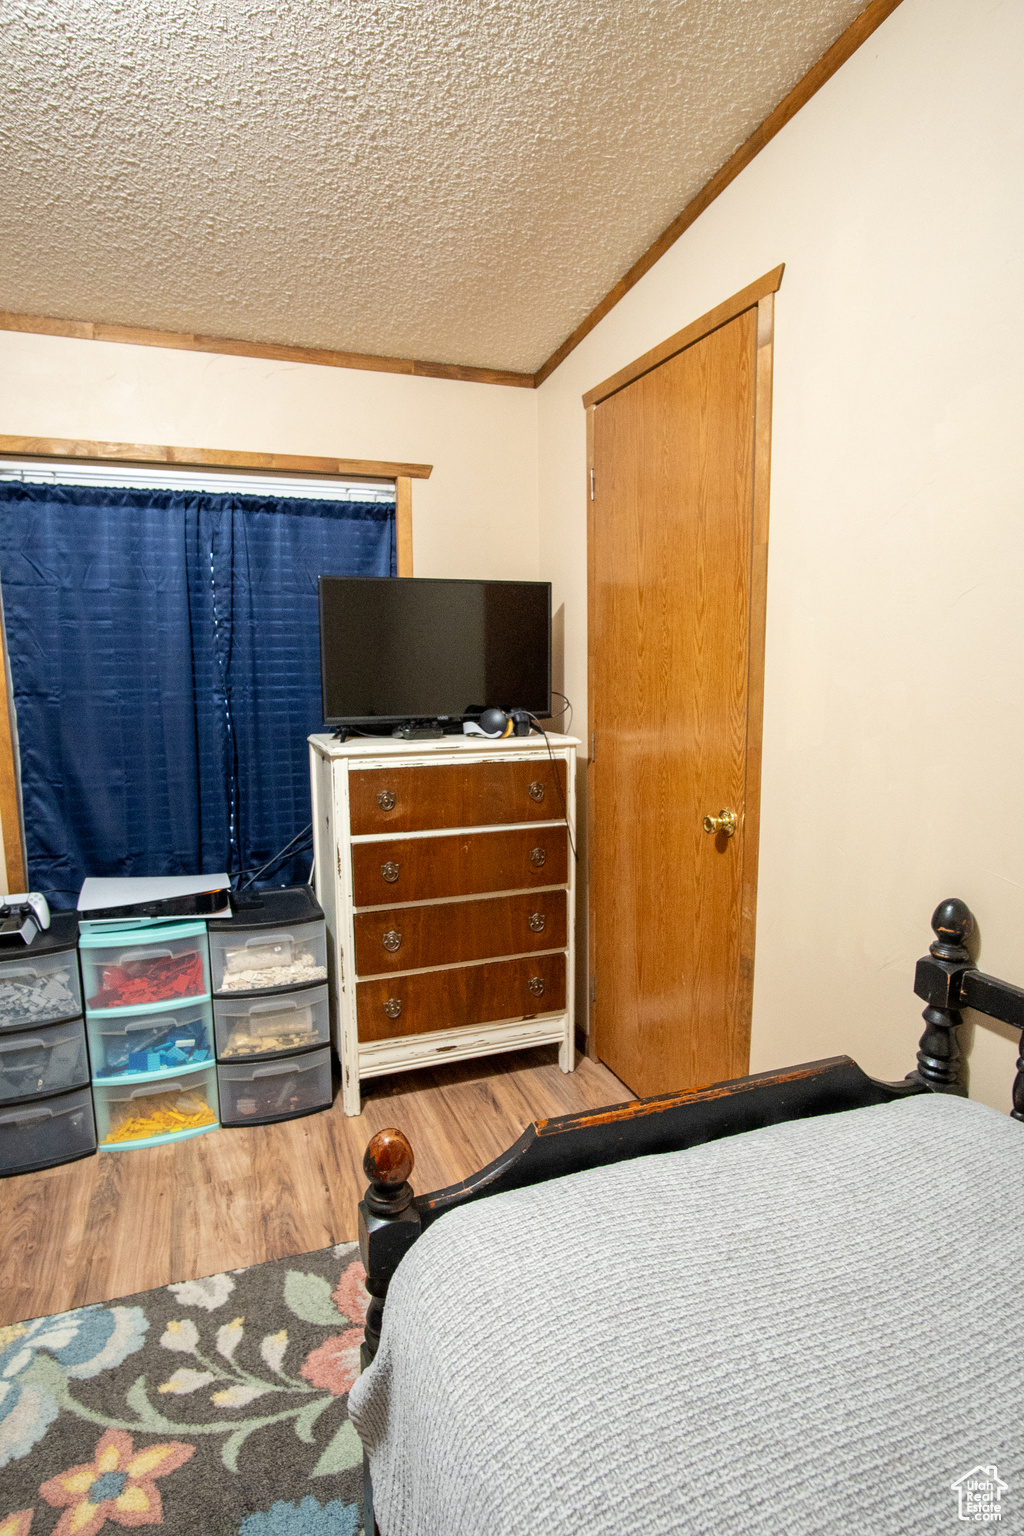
388, 1224
939, 978
1017, 1112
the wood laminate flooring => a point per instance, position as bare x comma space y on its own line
121, 1222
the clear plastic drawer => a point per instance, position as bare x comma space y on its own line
43, 1061
47, 1132
272, 1026
163, 1109
150, 966
39, 989
275, 1090
259, 959
164, 1039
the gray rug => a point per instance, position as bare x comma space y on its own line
216, 1407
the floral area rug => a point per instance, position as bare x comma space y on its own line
216, 1407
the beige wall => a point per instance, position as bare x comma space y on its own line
894, 732
476, 516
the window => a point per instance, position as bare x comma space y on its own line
163, 645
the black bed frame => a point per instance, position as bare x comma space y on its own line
391, 1217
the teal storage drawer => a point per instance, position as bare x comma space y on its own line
167, 1037
140, 967
157, 1110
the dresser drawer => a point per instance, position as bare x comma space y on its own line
455, 795
408, 938
472, 994
418, 869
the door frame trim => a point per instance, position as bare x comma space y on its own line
759, 295
696, 331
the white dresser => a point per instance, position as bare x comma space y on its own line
447, 879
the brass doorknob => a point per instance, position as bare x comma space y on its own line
726, 821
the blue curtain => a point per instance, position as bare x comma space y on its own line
164, 653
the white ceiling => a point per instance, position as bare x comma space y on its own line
453, 180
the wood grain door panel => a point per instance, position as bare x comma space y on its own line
670, 557
471, 994
416, 799
470, 865
458, 931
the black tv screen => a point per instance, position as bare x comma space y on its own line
416, 648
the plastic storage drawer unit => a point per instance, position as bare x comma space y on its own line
275, 939
278, 1025
47, 1132
39, 981
163, 1039
43, 1061
159, 1110
254, 1093
143, 966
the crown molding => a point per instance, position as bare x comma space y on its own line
181, 341
857, 33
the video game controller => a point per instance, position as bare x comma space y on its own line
22, 916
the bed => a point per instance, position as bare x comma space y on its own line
785, 1302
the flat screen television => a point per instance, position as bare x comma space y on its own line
394, 649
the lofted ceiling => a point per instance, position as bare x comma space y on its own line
453, 180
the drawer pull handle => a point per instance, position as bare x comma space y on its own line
538, 858
390, 871
536, 790
393, 1007
536, 985
386, 799
537, 921
391, 940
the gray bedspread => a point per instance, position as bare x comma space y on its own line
816, 1327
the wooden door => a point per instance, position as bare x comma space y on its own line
675, 624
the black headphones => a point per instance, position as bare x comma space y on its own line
496, 722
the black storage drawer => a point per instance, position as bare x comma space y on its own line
255, 1092
40, 1062
46, 1132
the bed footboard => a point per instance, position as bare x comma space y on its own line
391, 1217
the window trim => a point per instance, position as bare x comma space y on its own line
11, 820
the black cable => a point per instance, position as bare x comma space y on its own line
305, 847
299, 836
568, 706
343, 732
558, 781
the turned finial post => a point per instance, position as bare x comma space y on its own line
940, 1063
389, 1224
387, 1162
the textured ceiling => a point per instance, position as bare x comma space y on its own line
454, 180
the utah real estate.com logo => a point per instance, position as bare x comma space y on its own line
980, 1492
